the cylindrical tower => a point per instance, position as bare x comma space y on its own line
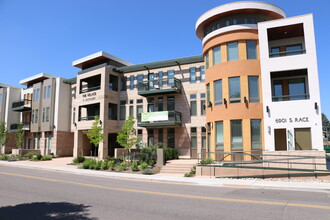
234, 114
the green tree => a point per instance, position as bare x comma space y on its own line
325, 121
127, 138
3, 134
95, 134
19, 135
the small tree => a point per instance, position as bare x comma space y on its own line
19, 135
3, 134
127, 138
95, 134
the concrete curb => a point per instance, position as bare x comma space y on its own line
241, 183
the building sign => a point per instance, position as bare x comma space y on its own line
292, 120
89, 96
155, 116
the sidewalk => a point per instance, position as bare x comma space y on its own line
60, 164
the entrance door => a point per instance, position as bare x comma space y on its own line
112, 144
280, 139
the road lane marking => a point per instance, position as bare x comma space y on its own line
171, 194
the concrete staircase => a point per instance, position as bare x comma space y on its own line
177, 167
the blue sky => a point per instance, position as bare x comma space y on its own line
47, 35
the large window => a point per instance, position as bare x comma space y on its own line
171, 103
49, 91
122, 109
219, 134
203, 111
207, 62
232, 51
234, 90
216, 55
112, 113
208, 95
139, 109
170, 76
253, 88
47, 114
193, 105
251, 49
218, 92
193, 138
160, 79
113, 83
123, 85
236, 134
139, 81
192, 71
202, 70
131, 82
255, 133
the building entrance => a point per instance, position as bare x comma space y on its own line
280, 139
112, 144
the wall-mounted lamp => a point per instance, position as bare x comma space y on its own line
204, 106
245, 100
100, 122
268, 129
316, 106
54, 127
267, 109
225, 101
75, 124
210, 105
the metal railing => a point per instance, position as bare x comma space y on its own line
88, 118
22, 103
287, 53
160, 84
25, 126
89, 89
173, 116
290, 97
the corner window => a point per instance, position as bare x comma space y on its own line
216, 55
218, 92
207, 62
112, 114
113, 83
234, 90
251, 49
232, 51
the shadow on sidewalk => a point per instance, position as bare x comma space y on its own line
46, 210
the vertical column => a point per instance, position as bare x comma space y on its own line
78, 143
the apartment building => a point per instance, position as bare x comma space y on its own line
254, 88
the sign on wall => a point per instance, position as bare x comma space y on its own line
154, 116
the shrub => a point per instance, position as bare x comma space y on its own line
30, 154
148, 153
104, 165
171, 154
123, 165
148, 172
87, 163
151, 162
206, 161
188, 175
118, 168
135, 166
79, 159
36, 157
3, 157
46, 158
111, 164
98, 165
143, 166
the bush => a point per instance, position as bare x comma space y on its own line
171, 154
78, 159
3, 157
98, 165
206, 161
151, 162
118, 168
87, 164
104, 165
143, 166
46, 158
148, 172
30, 154
187, 175
135, 166
123, 165
111, 164
148, 153
36, 157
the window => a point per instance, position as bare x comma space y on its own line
193, 138
208, 95
131, 110
160, 104
112, 114
232, 51
113, 83
151, 136
218, 92
293, 49
32, 116
219, 134
234, 21
203, 138
192, 71
297, 88
251, 49
151, 78
246, 21
122, 109
47, 114
151, 106
123, 86
45, 92
171, 103
216, 55
207, 62
209, 137
49, 91
193, 105
160, 135
131, 82
203, 111
139, 101
139, 81
253, 88
303, 139
234, 90
170, 77
160, 79
0, 99
253, 20
171, 137
275, 52
139, 109
227, 22
255, 133
43, 113
36, 116
236, 134
202, 70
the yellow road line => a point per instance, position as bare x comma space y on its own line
172, 194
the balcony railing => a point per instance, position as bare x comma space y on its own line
22, 105
159, 86
88, 118
287, 53
290, 97
159, 119
89, 89
26, 126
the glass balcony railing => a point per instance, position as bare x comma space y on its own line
89, 89
26, 126
22, 105
158, 119
88, 118
159, 86
290, 97
287, 53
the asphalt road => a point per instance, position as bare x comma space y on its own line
40, 194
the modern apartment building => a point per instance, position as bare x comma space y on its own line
254, 88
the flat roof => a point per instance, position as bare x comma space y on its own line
98, 56
2, 85
36, 78
71, 80
160, 64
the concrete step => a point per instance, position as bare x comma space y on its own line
177, 167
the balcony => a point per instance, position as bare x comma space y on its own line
22, 105
287, 53
160, 119
90, 89
160, 87
88, 118
26, 126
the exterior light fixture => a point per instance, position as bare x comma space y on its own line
100, 122
245, 100
268, 129
225, 101
316, 106
267, 109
